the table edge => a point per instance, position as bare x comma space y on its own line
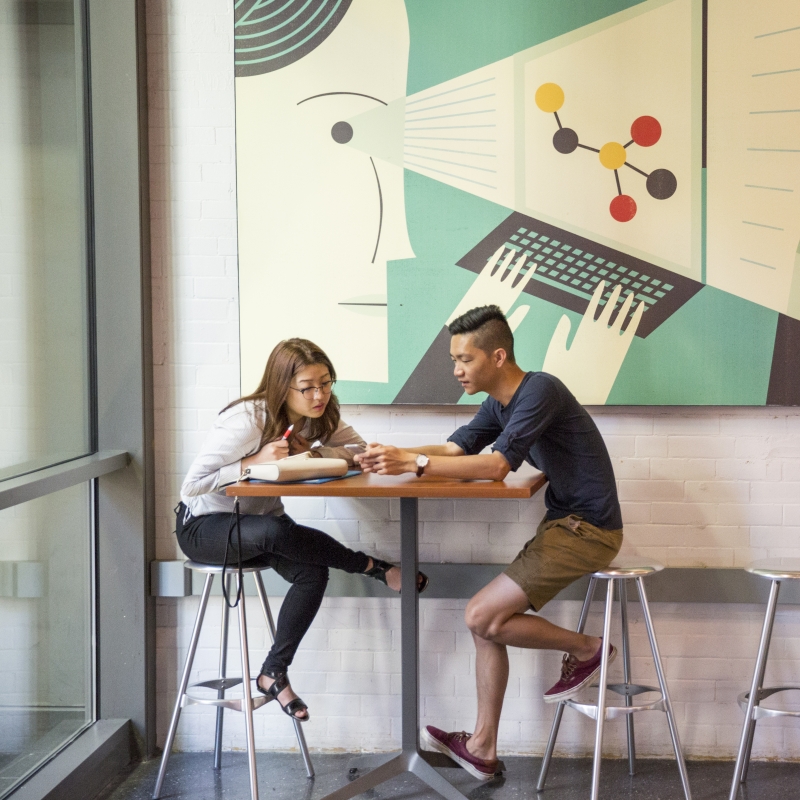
463, 490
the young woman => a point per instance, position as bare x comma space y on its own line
296, 389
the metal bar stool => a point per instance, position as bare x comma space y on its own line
775, 570
619, 572
247, 702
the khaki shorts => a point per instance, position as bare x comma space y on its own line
562, 551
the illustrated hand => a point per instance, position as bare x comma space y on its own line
384, 459
590, 366
272, 451
496, 288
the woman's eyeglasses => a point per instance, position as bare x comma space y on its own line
310, 392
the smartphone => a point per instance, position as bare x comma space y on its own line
355, 449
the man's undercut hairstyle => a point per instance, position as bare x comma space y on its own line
489, 328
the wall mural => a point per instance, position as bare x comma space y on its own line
621, 178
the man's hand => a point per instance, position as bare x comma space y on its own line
383, 459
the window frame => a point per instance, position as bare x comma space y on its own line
120, 465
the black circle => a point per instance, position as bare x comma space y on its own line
661, 184
565, 140
342, 132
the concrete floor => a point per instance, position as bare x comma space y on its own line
282, 777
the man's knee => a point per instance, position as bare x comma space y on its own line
481, 619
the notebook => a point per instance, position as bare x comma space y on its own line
301, 467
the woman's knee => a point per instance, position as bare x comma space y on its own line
312, 575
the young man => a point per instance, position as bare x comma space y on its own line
533, 417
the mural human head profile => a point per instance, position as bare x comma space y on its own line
320, 93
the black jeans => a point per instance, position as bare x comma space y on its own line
300, 555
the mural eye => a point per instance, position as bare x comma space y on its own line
342, 132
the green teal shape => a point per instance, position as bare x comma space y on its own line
450, 38
715, 350
443, 224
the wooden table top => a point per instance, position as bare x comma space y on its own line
518, 487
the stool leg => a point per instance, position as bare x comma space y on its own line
223, 666
187, 669
298, 729
757, 702
265, 607
673, 728
748, 729
247, 700
551, 742
601, 693
626, 671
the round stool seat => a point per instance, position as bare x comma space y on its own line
776, 569
629, 567
216, 569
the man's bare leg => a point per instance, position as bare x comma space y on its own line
496, 616
491, 675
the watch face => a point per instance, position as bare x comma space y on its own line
422, 460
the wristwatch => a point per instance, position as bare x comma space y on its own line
422, 462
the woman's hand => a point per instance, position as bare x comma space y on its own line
272, 451
298, 444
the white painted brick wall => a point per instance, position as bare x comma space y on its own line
699, 487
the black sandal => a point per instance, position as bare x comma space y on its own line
380, 568
280, 682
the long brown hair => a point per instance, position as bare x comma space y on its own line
284, 362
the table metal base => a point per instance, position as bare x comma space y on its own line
411, 758
414, 761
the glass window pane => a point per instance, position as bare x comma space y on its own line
44, 365
46, 651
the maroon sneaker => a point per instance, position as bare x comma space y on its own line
455, 746
577, 674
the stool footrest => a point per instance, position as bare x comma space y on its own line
234, 703
218, 683
630, 689
759, 712
612, 712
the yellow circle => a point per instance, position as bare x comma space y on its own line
612, 155
549, 97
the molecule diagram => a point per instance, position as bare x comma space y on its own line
645, 132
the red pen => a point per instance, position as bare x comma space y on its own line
288, 431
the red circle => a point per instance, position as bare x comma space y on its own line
646, 131
623, 208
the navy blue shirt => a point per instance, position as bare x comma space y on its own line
546, 426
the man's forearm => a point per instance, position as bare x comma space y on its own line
449, 449
492, 466
445, 460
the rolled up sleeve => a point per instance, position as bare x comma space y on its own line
531, 416
481, 431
